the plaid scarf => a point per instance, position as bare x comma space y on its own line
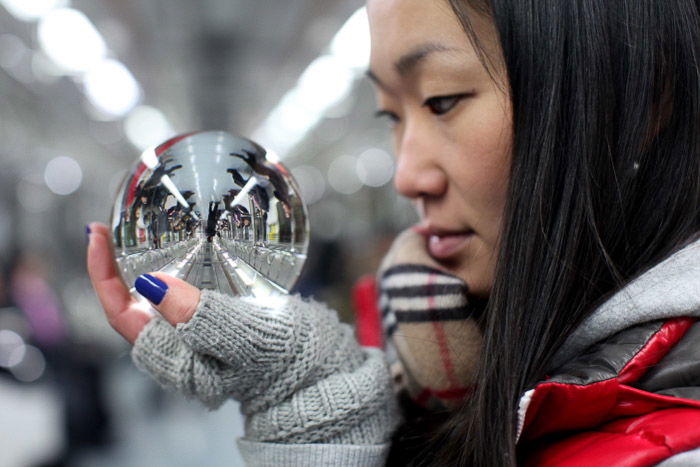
430, 324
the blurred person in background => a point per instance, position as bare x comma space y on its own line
543, 311
72, 370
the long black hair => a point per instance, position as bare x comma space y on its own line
605, 182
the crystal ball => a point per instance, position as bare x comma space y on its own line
215, 210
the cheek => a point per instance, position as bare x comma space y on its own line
485, 168
492, 135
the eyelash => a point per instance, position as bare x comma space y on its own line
432, 104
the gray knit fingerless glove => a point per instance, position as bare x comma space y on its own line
297, 371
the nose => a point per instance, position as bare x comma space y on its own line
418, 171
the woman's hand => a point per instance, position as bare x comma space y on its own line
126, 315
297, 371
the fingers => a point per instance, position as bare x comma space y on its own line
121, 309
174, 298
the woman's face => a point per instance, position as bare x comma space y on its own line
451, 124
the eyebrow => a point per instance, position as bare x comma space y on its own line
410, 60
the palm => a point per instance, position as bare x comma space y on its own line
124, 313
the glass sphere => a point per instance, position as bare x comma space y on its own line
214, 210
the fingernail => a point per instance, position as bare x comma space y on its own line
151, 287
87, 234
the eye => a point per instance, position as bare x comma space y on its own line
387, 114
440, 105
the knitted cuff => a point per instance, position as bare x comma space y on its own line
256, 454
158, 351
356, 407
272, 348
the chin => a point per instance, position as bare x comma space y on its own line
478, 280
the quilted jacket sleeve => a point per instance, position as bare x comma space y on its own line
628, 401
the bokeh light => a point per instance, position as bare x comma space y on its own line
342, 176
10, 341
375, 167
31, 10
30, 366
63, 175
111, 89
146, 126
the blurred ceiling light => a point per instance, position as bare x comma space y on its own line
326, 82
339, 110
375, 167
63, 175
351, 43
69, 39
342, 176
111, 89
146, 126
31, 10
287, 123
293, 115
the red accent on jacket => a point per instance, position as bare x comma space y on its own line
610, 422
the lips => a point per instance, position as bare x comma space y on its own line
444, 244
447, 246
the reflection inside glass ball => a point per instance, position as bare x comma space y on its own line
214, 210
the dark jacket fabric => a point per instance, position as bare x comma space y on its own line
627, 390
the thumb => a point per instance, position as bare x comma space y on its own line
175, 299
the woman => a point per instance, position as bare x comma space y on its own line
552, 151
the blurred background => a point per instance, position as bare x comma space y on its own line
86, 86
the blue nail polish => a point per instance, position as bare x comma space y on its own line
151, 287
87, 234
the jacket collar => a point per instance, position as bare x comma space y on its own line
669, 289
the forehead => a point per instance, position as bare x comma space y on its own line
400, 25
403, 31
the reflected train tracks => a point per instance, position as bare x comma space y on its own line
215, 266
